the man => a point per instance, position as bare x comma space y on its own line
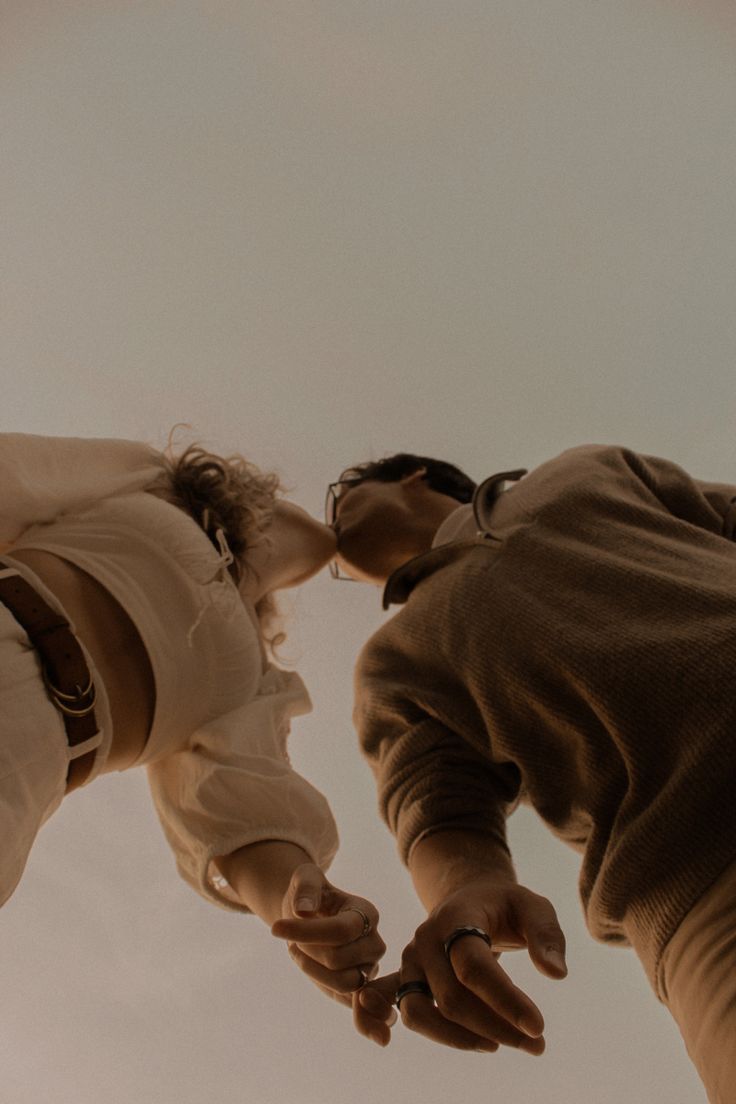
568, 642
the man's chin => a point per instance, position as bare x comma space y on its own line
360, 571
358, 574
362, 557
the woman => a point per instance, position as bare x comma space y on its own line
134, 604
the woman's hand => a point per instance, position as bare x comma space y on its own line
331, 934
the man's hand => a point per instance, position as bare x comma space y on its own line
332, 935
474, 1004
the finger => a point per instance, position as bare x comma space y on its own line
420, 1015
458, 1004
378, 997
306, 888
367, 912
477, 970
340, 981
373, 1027
536, 921
372, 972
418, 1011
370, 949
340, 998
346, 927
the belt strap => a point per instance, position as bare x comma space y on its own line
68, 680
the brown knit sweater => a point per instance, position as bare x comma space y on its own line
581, 658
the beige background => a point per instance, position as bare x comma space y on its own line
319, 232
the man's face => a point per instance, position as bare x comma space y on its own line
380, 526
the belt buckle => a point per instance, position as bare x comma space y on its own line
66, 702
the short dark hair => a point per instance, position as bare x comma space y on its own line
441, 477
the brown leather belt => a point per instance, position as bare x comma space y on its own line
68, 681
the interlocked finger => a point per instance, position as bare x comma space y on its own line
369, 949
413, 987
340, 981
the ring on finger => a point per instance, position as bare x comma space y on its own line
363, 980
412, 987
366, 921
461, 933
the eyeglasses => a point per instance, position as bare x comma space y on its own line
335, 491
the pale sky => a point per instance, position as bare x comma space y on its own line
321, 232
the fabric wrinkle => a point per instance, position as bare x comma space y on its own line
219, 586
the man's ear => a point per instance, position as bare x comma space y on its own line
415, 477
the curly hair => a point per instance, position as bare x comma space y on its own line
227, 497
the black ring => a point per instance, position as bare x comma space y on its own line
460, 933
412, 987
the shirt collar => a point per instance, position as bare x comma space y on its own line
402, 581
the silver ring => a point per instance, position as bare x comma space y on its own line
460, 933
412, 987
363, 980
366, 921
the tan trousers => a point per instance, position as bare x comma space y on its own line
697, 982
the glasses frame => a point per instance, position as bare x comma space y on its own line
331, 500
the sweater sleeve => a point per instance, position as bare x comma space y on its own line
709, 505
429, 778
43, 477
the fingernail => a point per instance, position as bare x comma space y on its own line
533, 1052
530, 1025
556, 959
305, 904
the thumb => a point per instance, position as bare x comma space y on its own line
306, 888
544, 937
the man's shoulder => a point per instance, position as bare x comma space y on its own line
576, 472
591, 456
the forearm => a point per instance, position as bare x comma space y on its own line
445, 861
260, 874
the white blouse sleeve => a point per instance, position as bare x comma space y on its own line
43, 477
233, 785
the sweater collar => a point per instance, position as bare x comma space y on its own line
402, 581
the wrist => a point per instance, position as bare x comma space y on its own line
445, 862
260, 874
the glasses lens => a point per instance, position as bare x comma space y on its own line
334, 493
330, 505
